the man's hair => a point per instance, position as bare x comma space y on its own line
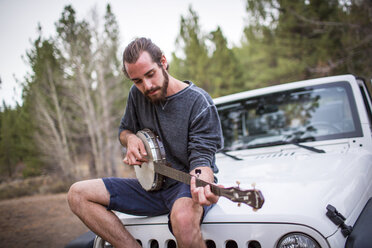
136, 47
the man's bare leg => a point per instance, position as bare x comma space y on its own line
185, 219
87, 199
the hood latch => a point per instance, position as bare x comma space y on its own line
339, 220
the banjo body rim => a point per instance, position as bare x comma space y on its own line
146, 175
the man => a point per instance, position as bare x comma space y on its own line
187, 122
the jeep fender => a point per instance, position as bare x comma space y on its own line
361, 236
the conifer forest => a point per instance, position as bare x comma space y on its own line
75, 94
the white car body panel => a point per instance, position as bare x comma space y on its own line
297, 184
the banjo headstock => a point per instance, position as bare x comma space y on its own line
251, 197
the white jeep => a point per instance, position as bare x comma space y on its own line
308, 147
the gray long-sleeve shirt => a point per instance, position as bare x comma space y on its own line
187, 123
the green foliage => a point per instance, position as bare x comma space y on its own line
224, 67
75, 94
74, 35
17, 149
293, 40
72, 102
215, 69
27, 151
35, 185
194, 66
8, 141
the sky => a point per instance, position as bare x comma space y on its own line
158, 20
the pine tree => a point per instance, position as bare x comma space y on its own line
291, 40
97, 87
112, 90
225, 70
8, 139
76, 92
195, 64
44, 95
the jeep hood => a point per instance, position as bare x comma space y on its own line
297, 186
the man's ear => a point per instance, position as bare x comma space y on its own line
164, 62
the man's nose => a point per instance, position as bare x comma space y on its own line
147, 84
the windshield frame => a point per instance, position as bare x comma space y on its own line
357, 132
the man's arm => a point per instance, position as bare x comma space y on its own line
205, 139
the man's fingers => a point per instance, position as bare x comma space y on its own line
193, 189
196, 192
202, 195
130, 159
212, 198
136, 152
142, 150
136, 155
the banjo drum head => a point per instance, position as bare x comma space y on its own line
145, 173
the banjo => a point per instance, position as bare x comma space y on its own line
152, 173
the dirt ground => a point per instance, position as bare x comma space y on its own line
38, 221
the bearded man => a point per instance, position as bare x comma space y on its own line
186, 120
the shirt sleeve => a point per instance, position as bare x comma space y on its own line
129, 121
205, 138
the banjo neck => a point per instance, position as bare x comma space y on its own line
251, 197
183, 177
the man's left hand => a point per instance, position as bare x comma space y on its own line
203, 195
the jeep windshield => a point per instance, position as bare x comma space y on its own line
299, 115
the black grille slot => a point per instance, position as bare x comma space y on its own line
210, 244
171, 244
154, 244
254, 244
231, 244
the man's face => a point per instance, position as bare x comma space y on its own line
151, 79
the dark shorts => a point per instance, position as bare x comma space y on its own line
128, 196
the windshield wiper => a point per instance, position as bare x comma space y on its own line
229, 155
285, 142
294, 139
310, 148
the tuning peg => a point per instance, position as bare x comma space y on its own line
198, 172
238, 183
239, 204
254, 209
254, 185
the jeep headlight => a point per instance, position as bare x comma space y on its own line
297, 240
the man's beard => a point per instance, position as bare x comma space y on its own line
163, 90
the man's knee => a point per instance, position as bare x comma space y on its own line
182, 219
74, 196
89, 191
185, 215
186, 229
185, 223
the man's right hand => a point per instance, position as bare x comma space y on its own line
136, 152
